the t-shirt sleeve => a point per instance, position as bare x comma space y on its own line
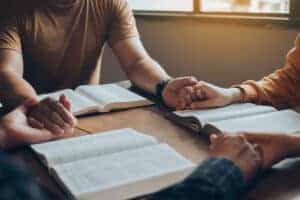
122, 24
10, 36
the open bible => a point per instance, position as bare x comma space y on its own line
238, 117
88, 99
119, 164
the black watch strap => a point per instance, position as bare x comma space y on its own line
160, 86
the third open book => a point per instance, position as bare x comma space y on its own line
239, 117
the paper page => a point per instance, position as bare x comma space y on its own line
228, 112
101, 173
68, 150
79, 103
110, 94
286, 121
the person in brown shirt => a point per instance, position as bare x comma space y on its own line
59, 44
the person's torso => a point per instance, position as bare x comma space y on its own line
62, 45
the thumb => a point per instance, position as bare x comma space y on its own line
180, 83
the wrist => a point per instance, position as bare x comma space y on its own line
160, 88
236, 95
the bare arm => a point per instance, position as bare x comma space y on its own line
139, 67
13, 88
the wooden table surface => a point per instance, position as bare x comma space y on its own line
280, 183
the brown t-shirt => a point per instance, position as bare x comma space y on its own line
62, 44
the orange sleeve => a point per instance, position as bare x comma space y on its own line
281, 88
122, 23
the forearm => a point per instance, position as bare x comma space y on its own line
14, 89
146, 73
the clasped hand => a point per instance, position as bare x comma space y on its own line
188, 93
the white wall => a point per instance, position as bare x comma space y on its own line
222, 53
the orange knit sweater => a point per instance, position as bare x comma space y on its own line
281, 88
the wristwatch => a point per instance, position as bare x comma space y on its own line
160, 86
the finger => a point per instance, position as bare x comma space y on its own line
180, 105
43, 115
53, 128
187, 98
182, 100
35, 123
65, 102
213, 140
260, 154
180, 83
258, 149
62, 111
200, 94
191, 95
53, 117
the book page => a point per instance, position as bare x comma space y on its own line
79, 103
98, 174
286, 121
112, 94
72, 149
228, 112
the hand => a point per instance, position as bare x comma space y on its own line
210, 96
55, 116
275, 147
179, 92
237, 149
15, 130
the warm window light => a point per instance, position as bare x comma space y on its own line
162, 5
253, 6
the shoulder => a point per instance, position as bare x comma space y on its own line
111, 5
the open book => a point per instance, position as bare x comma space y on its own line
88, 99
238, 117
119, 164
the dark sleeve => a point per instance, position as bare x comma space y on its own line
16, 183
214, 179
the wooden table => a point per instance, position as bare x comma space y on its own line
280, 183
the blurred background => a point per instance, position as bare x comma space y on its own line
224, 49
268, 6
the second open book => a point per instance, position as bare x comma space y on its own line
88, 99
115, 165
239, 117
